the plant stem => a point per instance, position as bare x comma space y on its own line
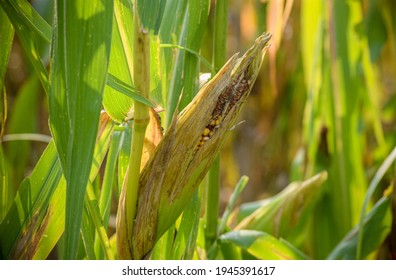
141, 79
213, 182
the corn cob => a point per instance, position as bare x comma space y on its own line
185, 154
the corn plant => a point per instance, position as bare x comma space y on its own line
135, 147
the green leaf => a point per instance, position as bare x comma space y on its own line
263, 245
348, 181
376, 227
117, 104
163, 248
312, 13
156, 79
17, 12
126, 89
56, 223
106, 188
30, 18
94, 212
390, 159
186, 70
6, 36
150, 13
169, 33
88, 233
123, 158
18, 231
80, 56
232, 201
196, 18
6, 193
24, 119
286, 214
376, 30
186, 234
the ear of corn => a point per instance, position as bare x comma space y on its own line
189, 147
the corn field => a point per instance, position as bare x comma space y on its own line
178, 130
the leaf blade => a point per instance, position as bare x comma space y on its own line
80, 58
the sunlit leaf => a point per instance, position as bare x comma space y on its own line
376, 227
263, 245
80, 56
286, 214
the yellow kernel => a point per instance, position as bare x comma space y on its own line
206, 131
212, 123
210, 134
217, 121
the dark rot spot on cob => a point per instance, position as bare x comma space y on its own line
231, 95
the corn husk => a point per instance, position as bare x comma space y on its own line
185, 154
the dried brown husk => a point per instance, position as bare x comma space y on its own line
189, 147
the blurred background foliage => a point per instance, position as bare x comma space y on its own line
325, 100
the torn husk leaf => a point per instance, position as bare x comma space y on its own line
189, 147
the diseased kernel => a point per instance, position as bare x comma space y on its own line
210, 134
205, 138
212, 123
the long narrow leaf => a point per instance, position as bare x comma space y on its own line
184, 241
16, 13
117, 105
30, 18
24, 119
56, 223
375, 227
372, 187
186, 70
80, 57
35, 221
126, 89
19, 228
286, 214
6, 36
263, 245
